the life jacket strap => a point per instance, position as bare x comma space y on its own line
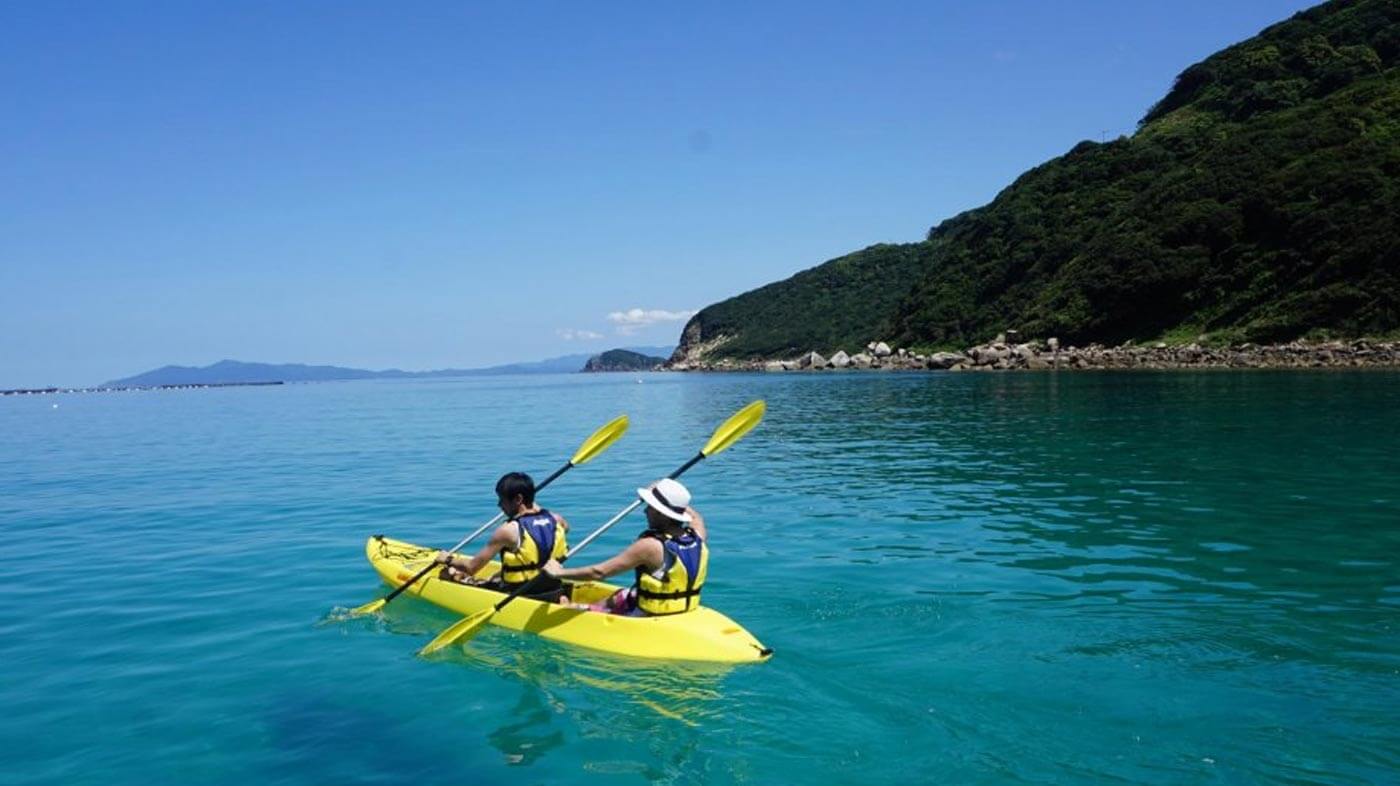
677, 595
522, 568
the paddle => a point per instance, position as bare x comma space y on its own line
729, 432
598, 442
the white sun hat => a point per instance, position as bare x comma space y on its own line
667, 497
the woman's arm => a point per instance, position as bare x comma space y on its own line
639, 553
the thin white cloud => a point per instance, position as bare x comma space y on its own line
570, 334
634, 319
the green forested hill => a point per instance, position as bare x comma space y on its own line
622, 360
1259, 199
842, 303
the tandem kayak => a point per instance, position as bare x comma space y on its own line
701, 634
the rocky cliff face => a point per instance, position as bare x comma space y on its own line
694, 349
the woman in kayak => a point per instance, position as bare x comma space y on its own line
530, 537
670, 558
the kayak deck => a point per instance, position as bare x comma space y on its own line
701, 634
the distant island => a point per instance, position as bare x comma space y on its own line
1254, 205
623, 360
234, 372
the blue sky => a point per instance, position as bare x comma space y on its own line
460, 184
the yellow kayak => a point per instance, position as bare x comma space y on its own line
701, 634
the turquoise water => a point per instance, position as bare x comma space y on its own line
1080, 578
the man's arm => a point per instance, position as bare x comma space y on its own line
502, 538
697, 523
639, 553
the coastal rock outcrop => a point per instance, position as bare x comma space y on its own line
1050, 355
693, 350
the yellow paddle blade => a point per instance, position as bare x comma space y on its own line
461, 630
368, 608
732, 430
601, 439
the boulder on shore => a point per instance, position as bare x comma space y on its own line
811, 360
840, 359
881, 350
988, 355
944, 360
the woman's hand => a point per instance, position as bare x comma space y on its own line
552, 568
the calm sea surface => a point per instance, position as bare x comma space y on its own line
1017, 578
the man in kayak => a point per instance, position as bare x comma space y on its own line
670, 558
530, 537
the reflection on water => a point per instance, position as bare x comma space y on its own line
682, 692
529, 733
635, 716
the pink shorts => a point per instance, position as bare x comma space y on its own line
623, 602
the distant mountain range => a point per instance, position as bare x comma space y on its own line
234, 371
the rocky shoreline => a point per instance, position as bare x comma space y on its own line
1007, 353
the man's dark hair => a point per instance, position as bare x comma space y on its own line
513, 483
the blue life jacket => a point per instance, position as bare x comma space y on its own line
684, 564
542, 538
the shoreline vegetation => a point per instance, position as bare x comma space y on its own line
1008, 353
